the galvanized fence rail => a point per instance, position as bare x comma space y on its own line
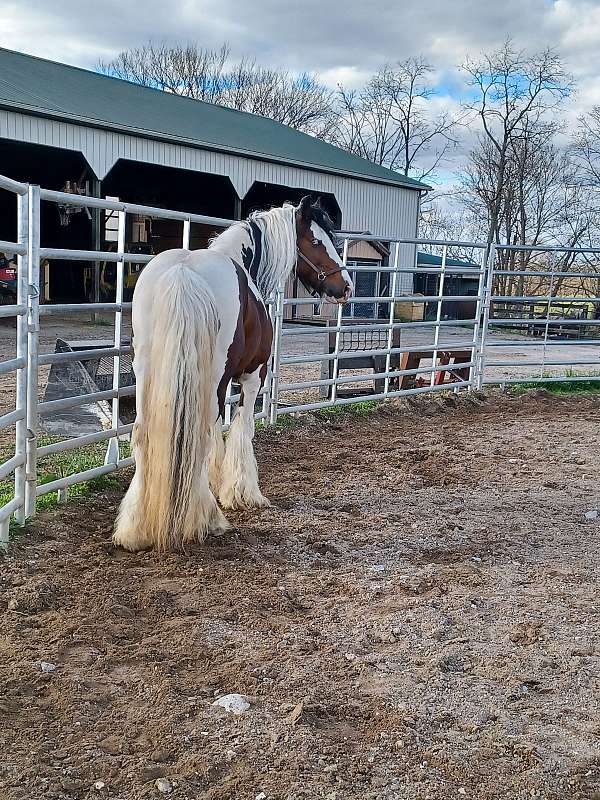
560, 345
311, 367
430, 367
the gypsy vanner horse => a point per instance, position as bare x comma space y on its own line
199, 321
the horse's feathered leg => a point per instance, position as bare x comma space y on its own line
216, 455
239, 486
129, 532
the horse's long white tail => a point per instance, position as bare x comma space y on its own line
175, 503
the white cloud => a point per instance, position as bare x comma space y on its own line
350, 77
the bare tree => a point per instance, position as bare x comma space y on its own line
538, 205
586, 178
182, 69
389, 121
515, 94
299, 101
586, 148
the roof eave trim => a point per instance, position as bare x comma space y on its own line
212, 146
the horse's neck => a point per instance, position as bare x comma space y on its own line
236, 243
265, 247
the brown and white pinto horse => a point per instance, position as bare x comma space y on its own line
199, 320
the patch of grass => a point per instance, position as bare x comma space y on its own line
360, 408
59, 465
284, 421
563, 387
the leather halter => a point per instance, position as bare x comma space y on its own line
321, 274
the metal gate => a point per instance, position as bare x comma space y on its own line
416, 345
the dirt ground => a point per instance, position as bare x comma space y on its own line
415, 617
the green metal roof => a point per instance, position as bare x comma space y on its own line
50, 89
428, 259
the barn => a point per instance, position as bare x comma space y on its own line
71, 129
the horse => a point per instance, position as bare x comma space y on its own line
200, 320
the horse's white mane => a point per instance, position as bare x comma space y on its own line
279, 242
278, 229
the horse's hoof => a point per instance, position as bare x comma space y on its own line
128, 540
220, 525
241, 503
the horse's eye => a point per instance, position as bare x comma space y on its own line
315, 242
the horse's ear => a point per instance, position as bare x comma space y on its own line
303, 212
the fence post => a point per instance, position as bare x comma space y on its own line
547, 325
476, 349
227, 414
21, 394
392, 318
186, 234
338, 334
112, 451
277, 341
487, 294
33, 336
438, 318
268, 382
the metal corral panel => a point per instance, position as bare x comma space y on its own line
366, 205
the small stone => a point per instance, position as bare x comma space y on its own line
261, 796
163, 785
99, 785
159, 755
234, 703
13, 604
592, 515
462, 791
296, 713
46, 666
152, 773
111, 745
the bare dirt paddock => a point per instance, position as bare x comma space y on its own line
416, 617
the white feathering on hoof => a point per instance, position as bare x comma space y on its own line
239, 486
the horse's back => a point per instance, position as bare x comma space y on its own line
214, 267
220, 278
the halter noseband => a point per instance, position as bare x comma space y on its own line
321, 274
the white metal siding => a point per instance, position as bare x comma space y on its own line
365, 205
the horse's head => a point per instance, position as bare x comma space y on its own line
319, 265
